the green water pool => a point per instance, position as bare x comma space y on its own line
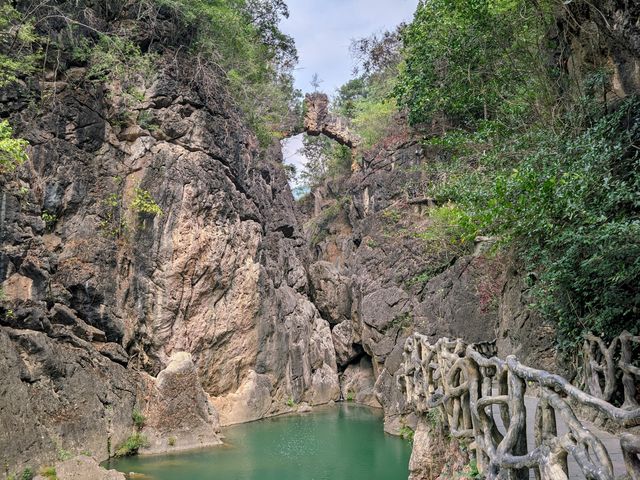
343, 442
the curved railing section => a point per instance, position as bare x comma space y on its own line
482, 399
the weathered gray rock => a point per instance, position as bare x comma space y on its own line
330, 291
220, 274
178, 415
60, 395
429, 453
347, 342
82, 467
522, 332
251, 401
357, 383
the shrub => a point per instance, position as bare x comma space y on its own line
407, 433
27, 474
49, 472
138, 419
143, 202
50, 219
13, 151
131, 445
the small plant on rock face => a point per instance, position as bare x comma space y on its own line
49, 472
291, 402
64, 454
147, 121
435, 417
131, 445
470, 471
407, 433
50, 219
143, 202
27, 474
350, 396
172, 441
138, 419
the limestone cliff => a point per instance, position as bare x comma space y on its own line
126, 241
379, 275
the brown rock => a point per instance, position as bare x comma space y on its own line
178, 415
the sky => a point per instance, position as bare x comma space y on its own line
323, 30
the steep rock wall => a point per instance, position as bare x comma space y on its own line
100, 292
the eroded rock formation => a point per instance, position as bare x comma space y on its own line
318, 120
177, 412
99, 290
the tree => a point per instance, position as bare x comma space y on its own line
471, 60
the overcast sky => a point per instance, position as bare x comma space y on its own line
323, 30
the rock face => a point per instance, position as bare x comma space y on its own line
99, 288
82, 468
318, 121
59, 394
357, 383
376, 258
178, 415
331, 292
429, 453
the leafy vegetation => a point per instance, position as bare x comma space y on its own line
138, 419
407, 433
143, 202
472, 59
49, 472
131, 445
12, 150
558, 184
19, 52
527, 153
242, 38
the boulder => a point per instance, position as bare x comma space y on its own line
178, 414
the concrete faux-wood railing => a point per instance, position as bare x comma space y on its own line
479, 393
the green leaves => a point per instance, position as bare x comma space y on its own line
18, 43
570, 204
12, 150
470, 59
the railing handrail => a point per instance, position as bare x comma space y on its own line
459, 379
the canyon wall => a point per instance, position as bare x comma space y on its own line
126, 241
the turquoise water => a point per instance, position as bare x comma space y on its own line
344, 442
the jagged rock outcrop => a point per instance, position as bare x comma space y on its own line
59, 395
592, 38
331, 292
318, 120
357, 383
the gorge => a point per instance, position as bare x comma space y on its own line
160, 283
